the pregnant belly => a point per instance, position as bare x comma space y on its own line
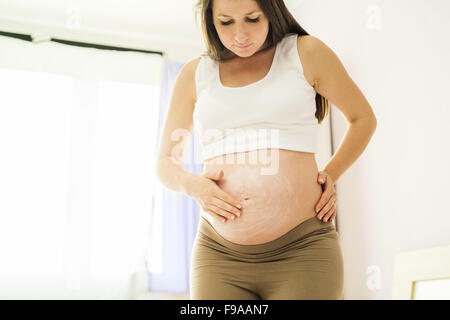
276, 196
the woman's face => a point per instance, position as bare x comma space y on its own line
240, 23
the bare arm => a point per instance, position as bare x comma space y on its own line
177, 132
174, 177
334, 83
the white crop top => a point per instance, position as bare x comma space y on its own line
276, 112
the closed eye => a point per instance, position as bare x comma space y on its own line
248, 19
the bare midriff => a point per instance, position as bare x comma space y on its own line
276, 197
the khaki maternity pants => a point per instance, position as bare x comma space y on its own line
304, 263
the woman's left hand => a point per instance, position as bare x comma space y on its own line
326, 207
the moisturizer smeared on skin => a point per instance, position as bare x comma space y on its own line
274, 200
265, 201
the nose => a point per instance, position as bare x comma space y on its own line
240, 34
241, 40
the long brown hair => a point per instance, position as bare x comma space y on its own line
281, 22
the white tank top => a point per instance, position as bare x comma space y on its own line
276, 112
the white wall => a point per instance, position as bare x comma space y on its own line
394, 197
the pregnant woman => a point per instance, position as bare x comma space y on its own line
257, 98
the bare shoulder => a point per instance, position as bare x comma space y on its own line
316, 56
306, 45
180, 111
192, 64
189, 70
311, 49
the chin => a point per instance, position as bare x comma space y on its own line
243, 55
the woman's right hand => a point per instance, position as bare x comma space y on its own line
212, 199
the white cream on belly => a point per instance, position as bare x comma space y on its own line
265, 198
273, 201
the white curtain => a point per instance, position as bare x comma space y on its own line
78, 133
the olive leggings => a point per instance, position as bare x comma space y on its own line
304, 263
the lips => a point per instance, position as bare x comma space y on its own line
242, 47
